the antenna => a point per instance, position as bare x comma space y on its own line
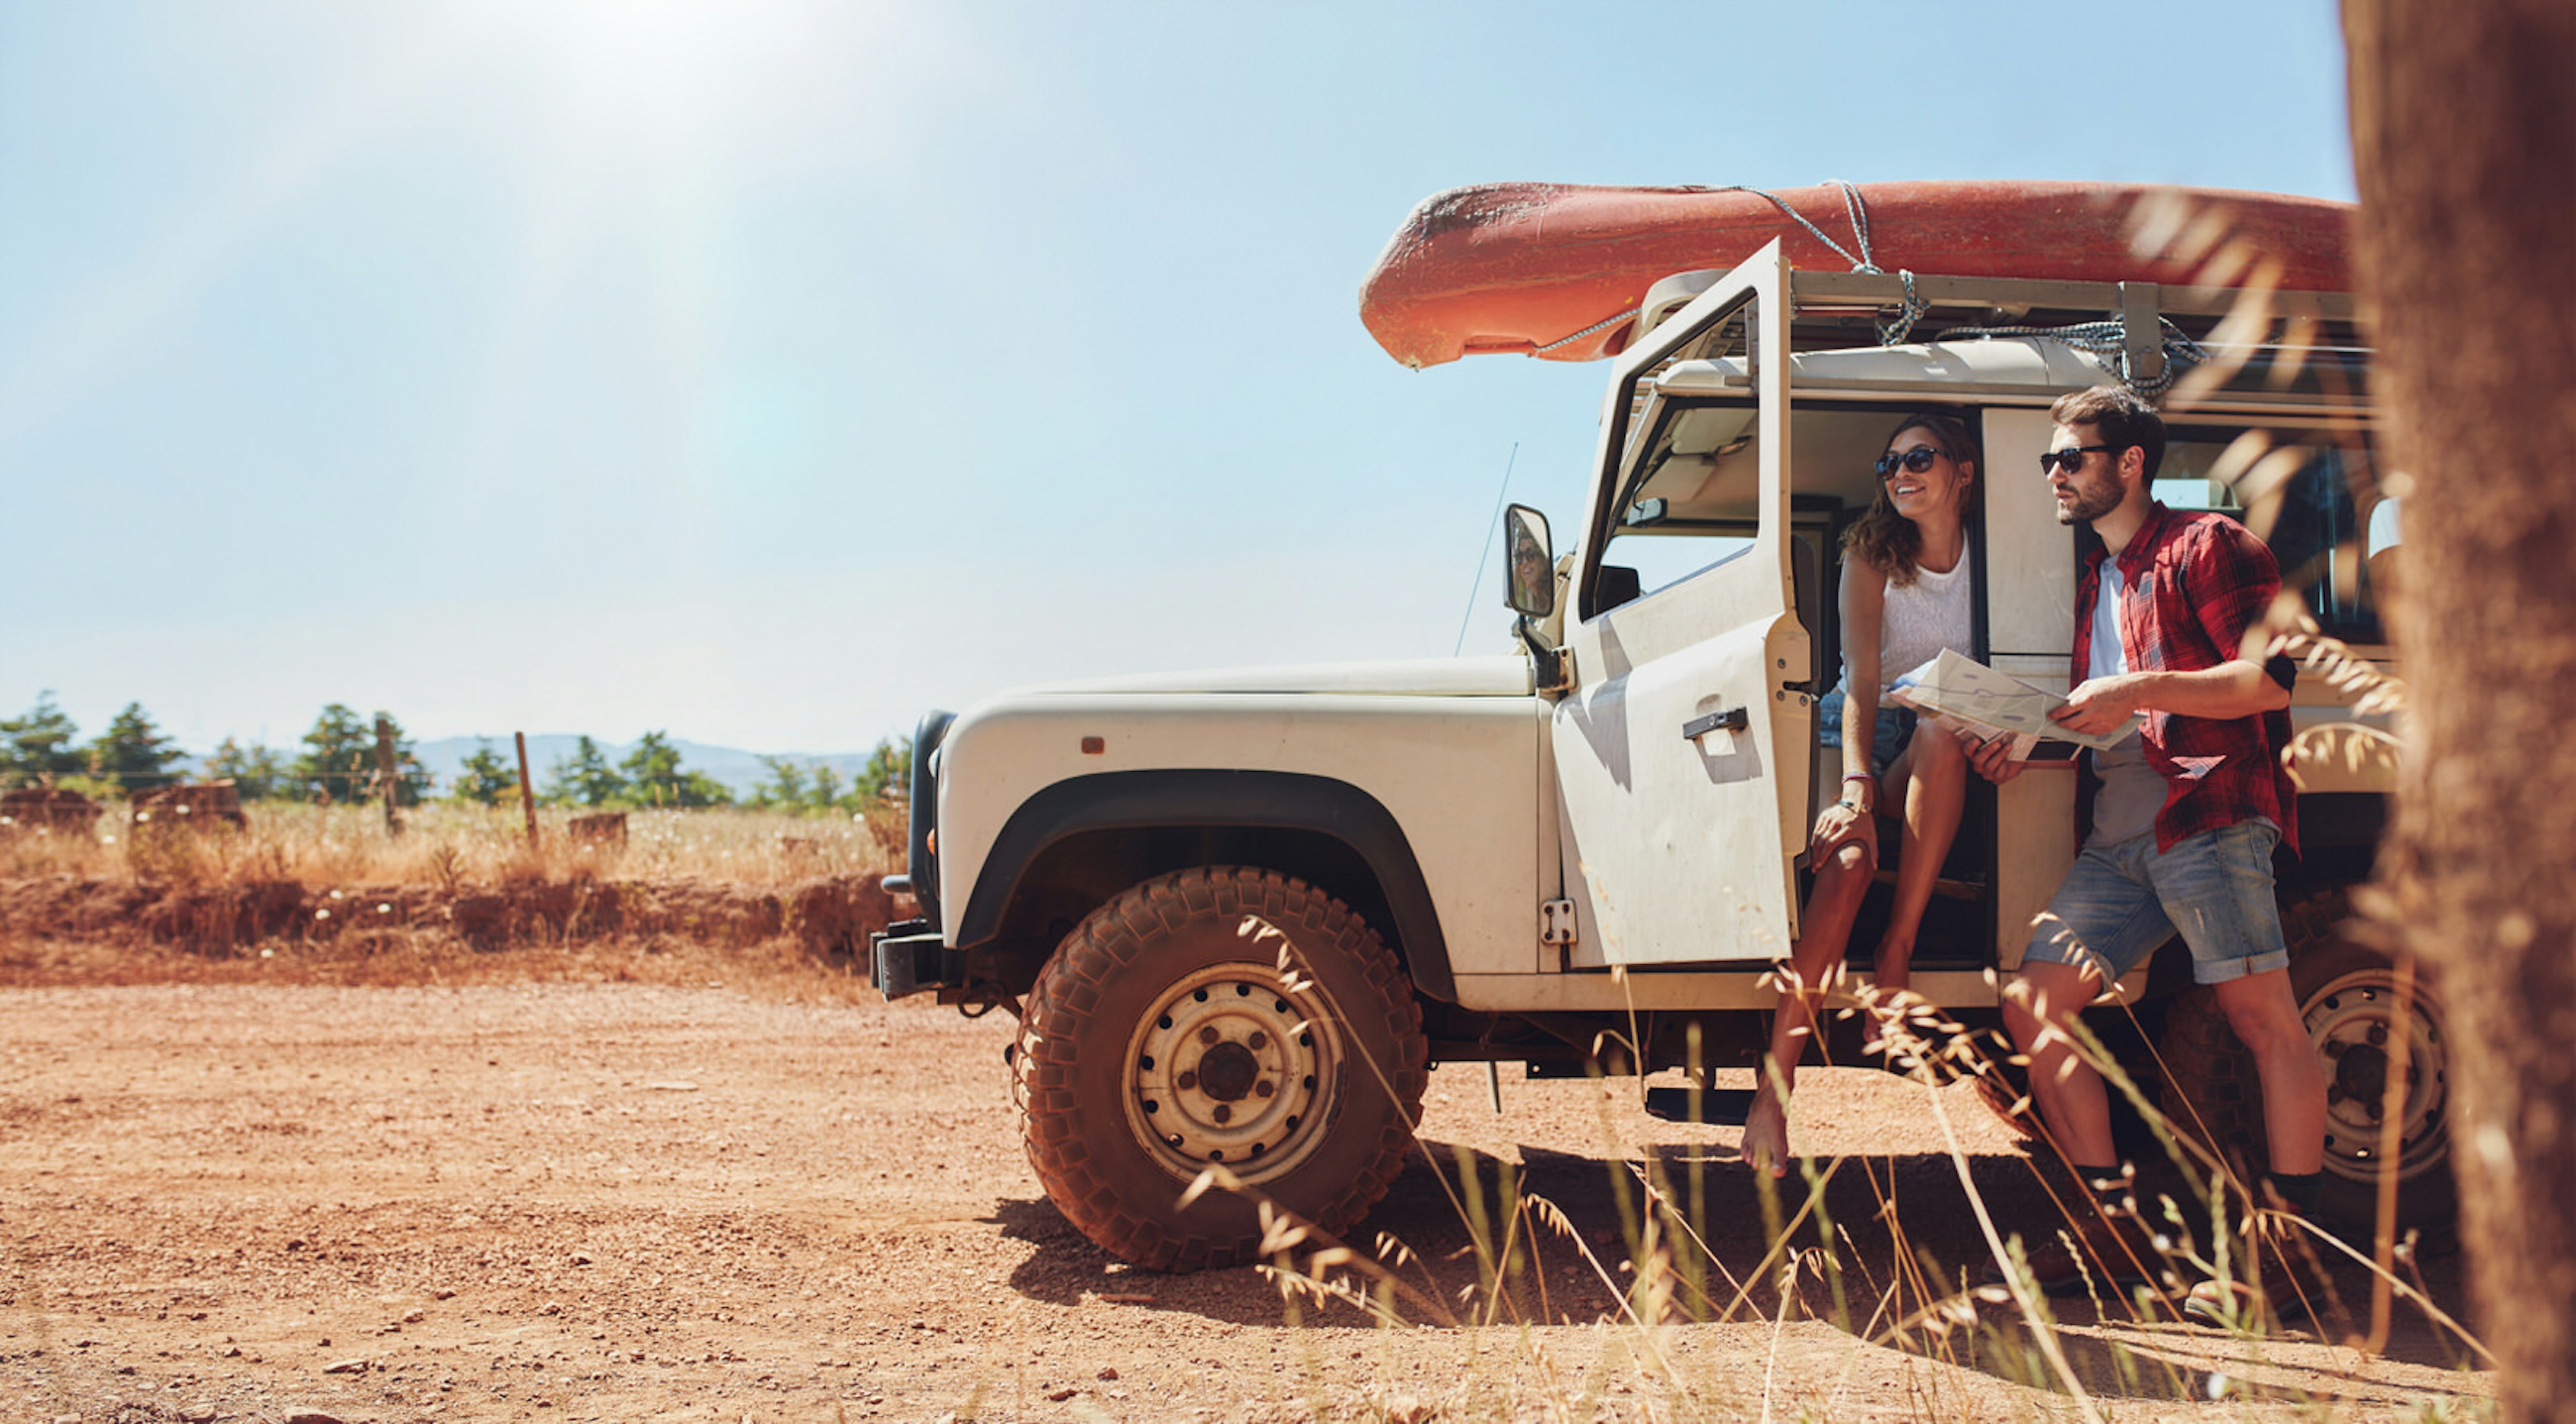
1487, 548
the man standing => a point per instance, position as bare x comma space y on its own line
2178, 830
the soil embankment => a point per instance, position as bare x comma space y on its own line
74, 929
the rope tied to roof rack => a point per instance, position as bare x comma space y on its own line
1857, 211
2110, 341
1891, 333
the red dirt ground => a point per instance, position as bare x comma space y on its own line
746, 1189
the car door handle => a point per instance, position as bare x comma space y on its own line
1733, 719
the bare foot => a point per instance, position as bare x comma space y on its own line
1766, 1136
1889, 969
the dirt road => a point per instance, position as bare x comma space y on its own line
628, 1202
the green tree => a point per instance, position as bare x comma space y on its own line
39, 746
654, 776
804, 787
257, 772
339, 760
653, 768
132, 754
823, 787
815, 787
486, 780
889, 771
339, 757
585, 778
785, 788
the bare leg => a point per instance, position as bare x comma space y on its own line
2265, 1016
1932, 777
2068, 1091
1831, 908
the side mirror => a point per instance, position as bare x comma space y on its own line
1529, 562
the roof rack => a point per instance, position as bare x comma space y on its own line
2301, 344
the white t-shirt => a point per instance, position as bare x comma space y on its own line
1921, 618
2132, 792
2384, 533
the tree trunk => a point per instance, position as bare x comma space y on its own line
2464, 143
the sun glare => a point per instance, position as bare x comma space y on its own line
654, 73
626, 120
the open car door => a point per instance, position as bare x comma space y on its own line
1681, 748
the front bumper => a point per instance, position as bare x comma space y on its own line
908, 957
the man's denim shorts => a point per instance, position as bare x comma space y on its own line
2122, 900
1895, 729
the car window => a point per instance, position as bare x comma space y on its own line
1692, 500
2312, 502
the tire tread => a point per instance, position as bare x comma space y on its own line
1106, 944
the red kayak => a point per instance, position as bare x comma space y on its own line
1549, 269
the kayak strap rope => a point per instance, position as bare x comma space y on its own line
1890, 333
2108, 340
1595, 329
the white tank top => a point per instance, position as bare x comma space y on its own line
1923, 617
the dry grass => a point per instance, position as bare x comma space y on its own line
1952, 1329
452, 847
308, 894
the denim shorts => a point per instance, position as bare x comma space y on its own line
1895, 729
2122, 900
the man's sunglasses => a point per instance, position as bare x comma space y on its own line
2071, 458
1916, 461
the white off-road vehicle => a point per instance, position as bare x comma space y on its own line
1239, 915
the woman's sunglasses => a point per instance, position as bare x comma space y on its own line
2071, 458
1915, 461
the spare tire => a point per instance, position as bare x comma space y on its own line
2348, 994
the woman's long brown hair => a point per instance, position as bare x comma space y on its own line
1888, 541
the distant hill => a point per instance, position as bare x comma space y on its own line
738, 769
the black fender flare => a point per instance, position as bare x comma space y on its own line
1279, 800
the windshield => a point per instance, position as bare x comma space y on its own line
1692, 498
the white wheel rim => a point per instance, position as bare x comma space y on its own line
1231, 1070
2352, 1020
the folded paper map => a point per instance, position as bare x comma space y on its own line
1974, 700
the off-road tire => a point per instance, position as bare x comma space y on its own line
2342, 989
1183, 954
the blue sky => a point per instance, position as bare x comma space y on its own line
767, 371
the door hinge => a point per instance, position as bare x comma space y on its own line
1556, 922
1556, 669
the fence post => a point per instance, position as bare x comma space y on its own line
386, 781
527, 792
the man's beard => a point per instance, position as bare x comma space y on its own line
2093, 499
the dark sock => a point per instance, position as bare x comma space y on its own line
2298, 1192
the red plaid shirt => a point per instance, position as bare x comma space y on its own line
2192, 585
